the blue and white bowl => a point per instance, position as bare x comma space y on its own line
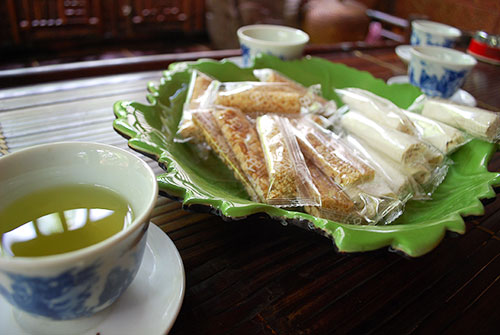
80, 283
433, 33
438, 71
284, 42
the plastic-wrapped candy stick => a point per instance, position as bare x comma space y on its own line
442, 136
328, 152
401, 147
401, 184
477, 122
374, 200
241, 135
195, 99
377, 108
207, 125
426, 164
290, 183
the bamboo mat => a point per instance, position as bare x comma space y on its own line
81, 110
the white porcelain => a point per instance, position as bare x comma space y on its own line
439, 71
149, 306
284, 42
83, 282
460, 97
426, 32
403, 52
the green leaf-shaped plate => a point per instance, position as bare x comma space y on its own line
207, 182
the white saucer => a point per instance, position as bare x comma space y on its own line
460, 97
149, 306
403, 52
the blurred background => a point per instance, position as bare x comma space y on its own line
42, 32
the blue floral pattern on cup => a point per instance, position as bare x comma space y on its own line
76, 292
436, 84
62, 297
118, 280
429, 39
245, 53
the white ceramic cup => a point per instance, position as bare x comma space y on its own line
433, 33
79, 283
439, 71
284, 42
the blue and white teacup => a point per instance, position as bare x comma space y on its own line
79, 283
433, 33
439, 71
286, 43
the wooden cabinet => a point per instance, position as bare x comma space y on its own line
47, 20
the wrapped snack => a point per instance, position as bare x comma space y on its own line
273, 76
401, 184
377, 108
354, 205
196, 95
330, 154
445, 138
477, 122
290, 182
420, 160
207, 125
335, 204
403, 148
259, 98
373, 198
197, 87
243, 139
312, 97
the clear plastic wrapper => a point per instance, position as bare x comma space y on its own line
259, 98
401, 147
241, 136
372, 208
374, 201
263, 98
426, 164
400, 183
379, 109
196, 98
290, 183
327, 151
212, 134
335, 204
316, 104
273, 76
442, 136
475, 121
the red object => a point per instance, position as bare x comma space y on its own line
484, 52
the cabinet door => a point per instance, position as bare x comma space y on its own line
34, 20
141, 17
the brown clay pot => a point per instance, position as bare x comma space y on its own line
333, 21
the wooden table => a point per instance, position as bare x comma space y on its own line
256, 277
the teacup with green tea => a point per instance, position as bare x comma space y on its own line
73, 221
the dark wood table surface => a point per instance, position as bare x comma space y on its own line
259, 277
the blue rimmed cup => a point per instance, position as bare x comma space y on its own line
283, 42
433, 33
438, 71
80, 283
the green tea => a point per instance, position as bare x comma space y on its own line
61, 219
